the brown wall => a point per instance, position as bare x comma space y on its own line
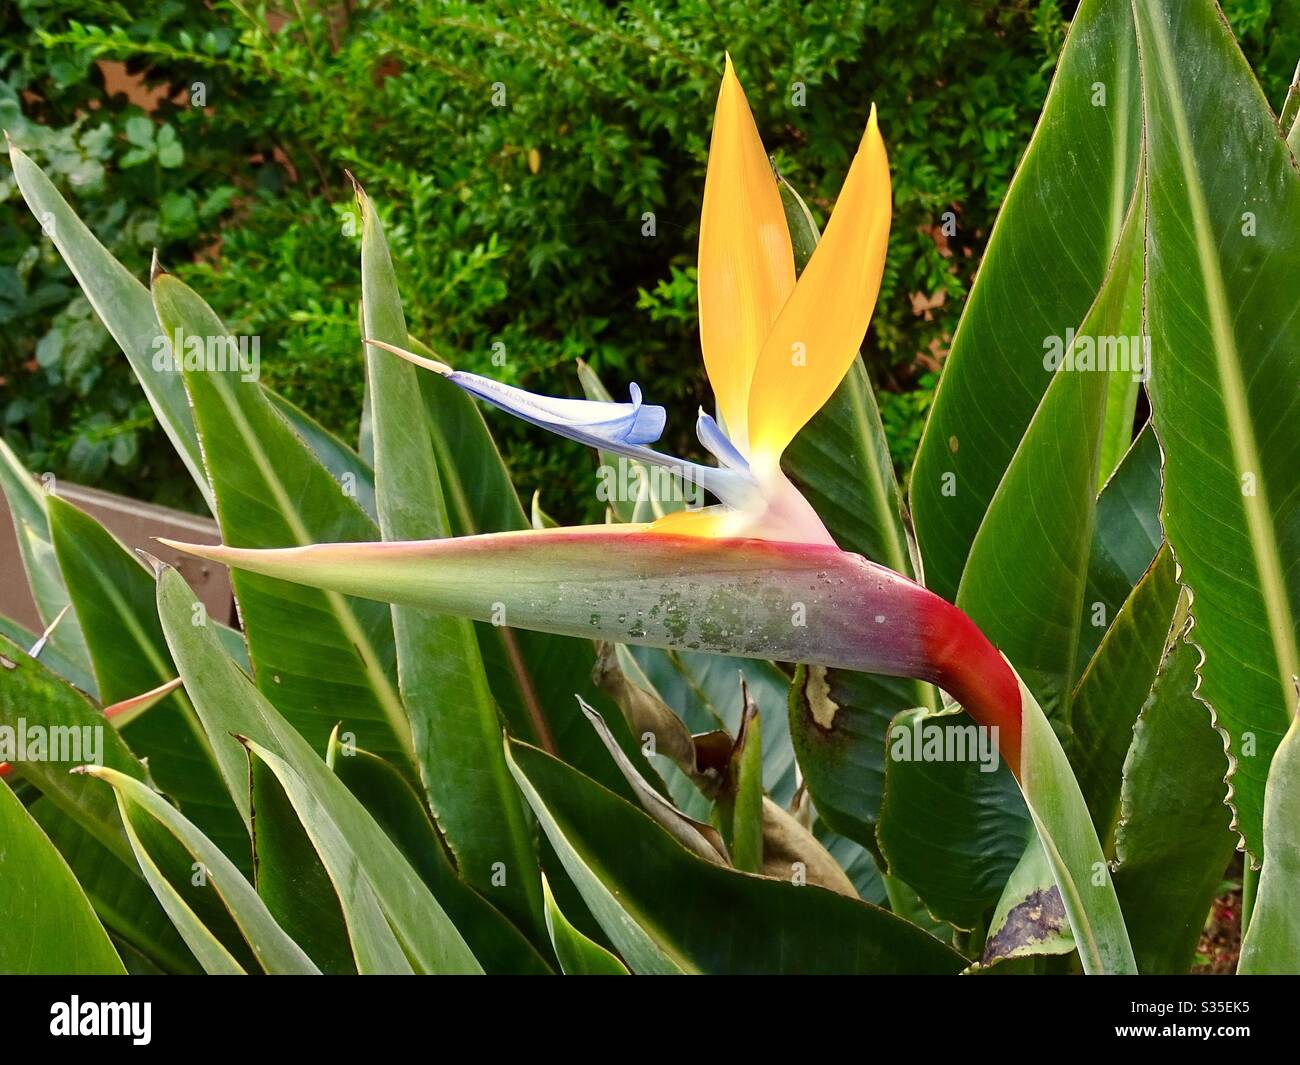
134, 524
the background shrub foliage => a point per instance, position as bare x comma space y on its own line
517, 150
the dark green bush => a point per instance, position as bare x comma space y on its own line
516, 151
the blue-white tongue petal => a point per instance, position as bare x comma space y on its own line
619, 428
595, 422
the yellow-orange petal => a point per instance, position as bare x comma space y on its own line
746, 263
820, 328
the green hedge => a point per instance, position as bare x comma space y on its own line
515, 150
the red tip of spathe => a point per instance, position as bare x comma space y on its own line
970, 669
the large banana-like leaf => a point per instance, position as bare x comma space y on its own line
668, 911
141, 807
49, 925
1024, 579
454, 719
951, 828
1125, 537
355, 850
1110, 695
1173, 838
1272, 941
319, 657
1047, 257
1223, 250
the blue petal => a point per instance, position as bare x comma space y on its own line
715, 440
619, 428
593, 422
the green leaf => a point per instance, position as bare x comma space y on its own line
1029, 919
354, 477
1272, 942
1043, 508
32, 694
270, 489
124, 306
1174, 839
125, 904
50, 926
1061, 816
392, 801
353, 847
648, 893
1223, 244
740, 800
454, 720
27, 507
1125, 537
291, 879
534, 675
274, 950
116, 604
952, 823
1084, 154
579, 956
1112, 692
838, 723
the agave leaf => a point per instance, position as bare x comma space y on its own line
123, 305
270, 489
50, 925
116, 604
32, 693
351, 844
579, 956
1223, 243
27, 507
1084, 153
393, 802
274, 950
633, 875
454, 720
126, 905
